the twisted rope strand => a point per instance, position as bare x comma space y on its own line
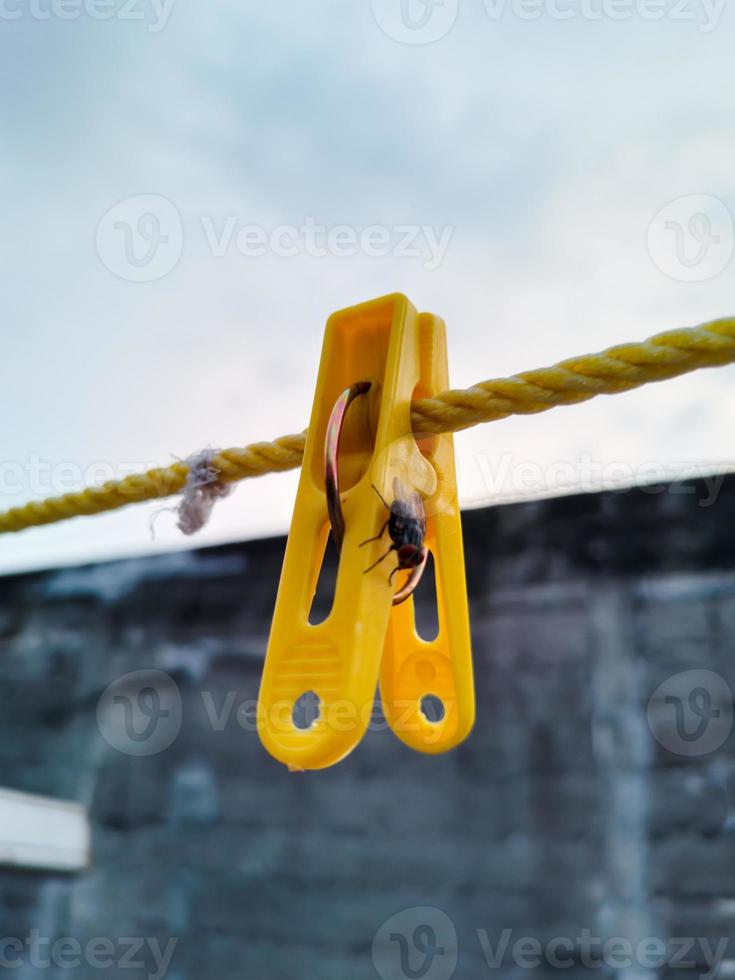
620, 368
578, 379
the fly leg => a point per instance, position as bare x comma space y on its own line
382, 558
378, 535
382, 498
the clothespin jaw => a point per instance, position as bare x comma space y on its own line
426, 686
339, 660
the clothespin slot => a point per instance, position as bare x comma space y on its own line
374, 351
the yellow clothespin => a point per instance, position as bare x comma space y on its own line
360, 458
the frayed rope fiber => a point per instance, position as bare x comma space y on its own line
202, 490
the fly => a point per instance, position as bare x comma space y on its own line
406, 523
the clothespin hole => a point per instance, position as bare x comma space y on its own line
432, 708
306, 710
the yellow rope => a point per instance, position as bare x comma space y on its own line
621, 368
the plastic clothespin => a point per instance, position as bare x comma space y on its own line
397, 355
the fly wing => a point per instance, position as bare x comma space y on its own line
416, 502
399, 491
413, 502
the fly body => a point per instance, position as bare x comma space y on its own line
406, 523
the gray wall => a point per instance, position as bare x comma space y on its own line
561, 813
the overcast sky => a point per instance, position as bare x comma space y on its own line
188, 190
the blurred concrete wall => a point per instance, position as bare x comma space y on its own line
594, 800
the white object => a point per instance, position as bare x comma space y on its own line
38, 832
